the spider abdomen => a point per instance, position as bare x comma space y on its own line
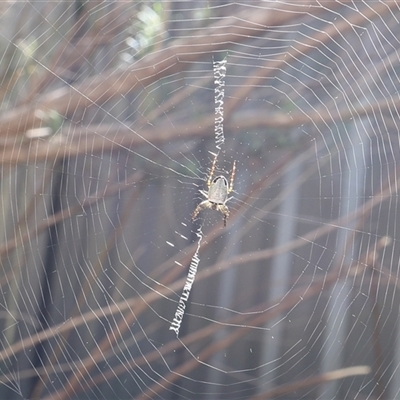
218, 191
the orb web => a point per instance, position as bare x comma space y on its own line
110, 116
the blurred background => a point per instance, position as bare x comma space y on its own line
107, 114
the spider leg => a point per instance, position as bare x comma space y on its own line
232, 177
212, 171
222, 208
204, 193
229, 198
204, 204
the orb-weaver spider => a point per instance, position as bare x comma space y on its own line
217, 194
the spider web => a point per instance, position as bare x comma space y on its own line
108, 127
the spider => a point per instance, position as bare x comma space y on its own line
217, 194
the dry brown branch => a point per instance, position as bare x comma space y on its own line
314, 381
107, 137
328, 34
171, 59
19, 238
